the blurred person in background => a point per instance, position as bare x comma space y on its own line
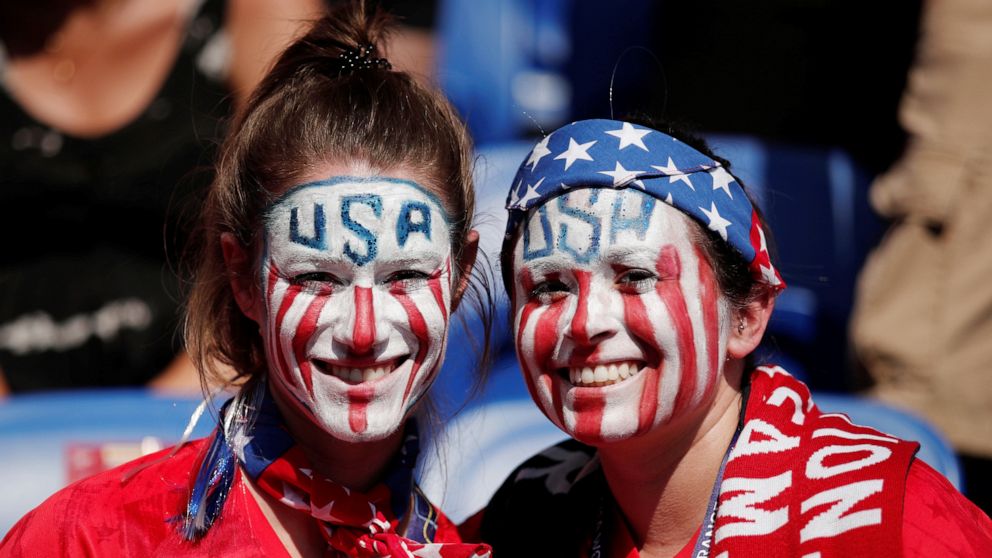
923, 320
109, 112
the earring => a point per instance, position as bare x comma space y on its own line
740, 325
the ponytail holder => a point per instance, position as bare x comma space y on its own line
362, 57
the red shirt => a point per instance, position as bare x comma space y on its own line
108, 516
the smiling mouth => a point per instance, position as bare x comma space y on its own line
601, 375
359, 374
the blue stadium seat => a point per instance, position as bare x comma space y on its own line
45, 436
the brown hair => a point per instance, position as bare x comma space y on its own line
311, 109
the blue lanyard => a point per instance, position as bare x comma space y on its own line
705, 540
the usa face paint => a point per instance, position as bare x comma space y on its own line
356, 278
619, 324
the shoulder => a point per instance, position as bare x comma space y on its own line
938, 520
109, 513
554, 492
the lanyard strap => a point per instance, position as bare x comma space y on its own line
704, 541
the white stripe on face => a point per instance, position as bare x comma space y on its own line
357, 279
619, 323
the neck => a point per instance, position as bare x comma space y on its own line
356, 465
662, 482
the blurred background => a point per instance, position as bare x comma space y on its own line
845, 119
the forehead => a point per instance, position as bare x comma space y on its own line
356, 218
590, 224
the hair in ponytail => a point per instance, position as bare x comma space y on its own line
330, 96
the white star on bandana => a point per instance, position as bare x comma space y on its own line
575, 152
629, 135
621, 175
717, 222
540, 150
674, 173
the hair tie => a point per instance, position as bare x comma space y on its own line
362, 57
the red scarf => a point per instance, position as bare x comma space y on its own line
394, 519
800, 482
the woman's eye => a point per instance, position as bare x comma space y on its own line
548, 291
316, 277
407, 275
636, 279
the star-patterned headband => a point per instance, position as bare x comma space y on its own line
612, 154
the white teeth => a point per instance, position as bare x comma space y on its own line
603, 374
587, 376
359, 375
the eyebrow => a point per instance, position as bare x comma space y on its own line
413, 257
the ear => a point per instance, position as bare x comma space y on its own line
466, 261
240, 276
748, 325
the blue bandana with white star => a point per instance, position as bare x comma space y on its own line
613, 154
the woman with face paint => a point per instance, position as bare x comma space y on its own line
641, 282
336, 243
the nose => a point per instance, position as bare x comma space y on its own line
360, 337
594, 319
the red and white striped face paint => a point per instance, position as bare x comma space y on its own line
356, 278
619, 322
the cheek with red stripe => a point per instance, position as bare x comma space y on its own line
296, 317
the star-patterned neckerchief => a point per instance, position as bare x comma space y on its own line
392, 519
613, 154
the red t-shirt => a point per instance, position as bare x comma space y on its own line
107, 516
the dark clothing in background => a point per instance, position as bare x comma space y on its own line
91, 228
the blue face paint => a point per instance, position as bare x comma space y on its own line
405, 224
316, 241
590, 218
549, 241
638, 224
371, 249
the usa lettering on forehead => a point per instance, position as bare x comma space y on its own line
354, 220
586, 223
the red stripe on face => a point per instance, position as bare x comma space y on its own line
358, 403
304, 332
363, 334
635, 315
669, 267
434, 282
588, 405
287, 301
419, 328
709, 296
545, 341
528, 283
580, 332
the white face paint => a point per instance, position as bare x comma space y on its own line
618, 318
356, 279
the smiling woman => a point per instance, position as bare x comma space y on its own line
336, 242
641, 281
